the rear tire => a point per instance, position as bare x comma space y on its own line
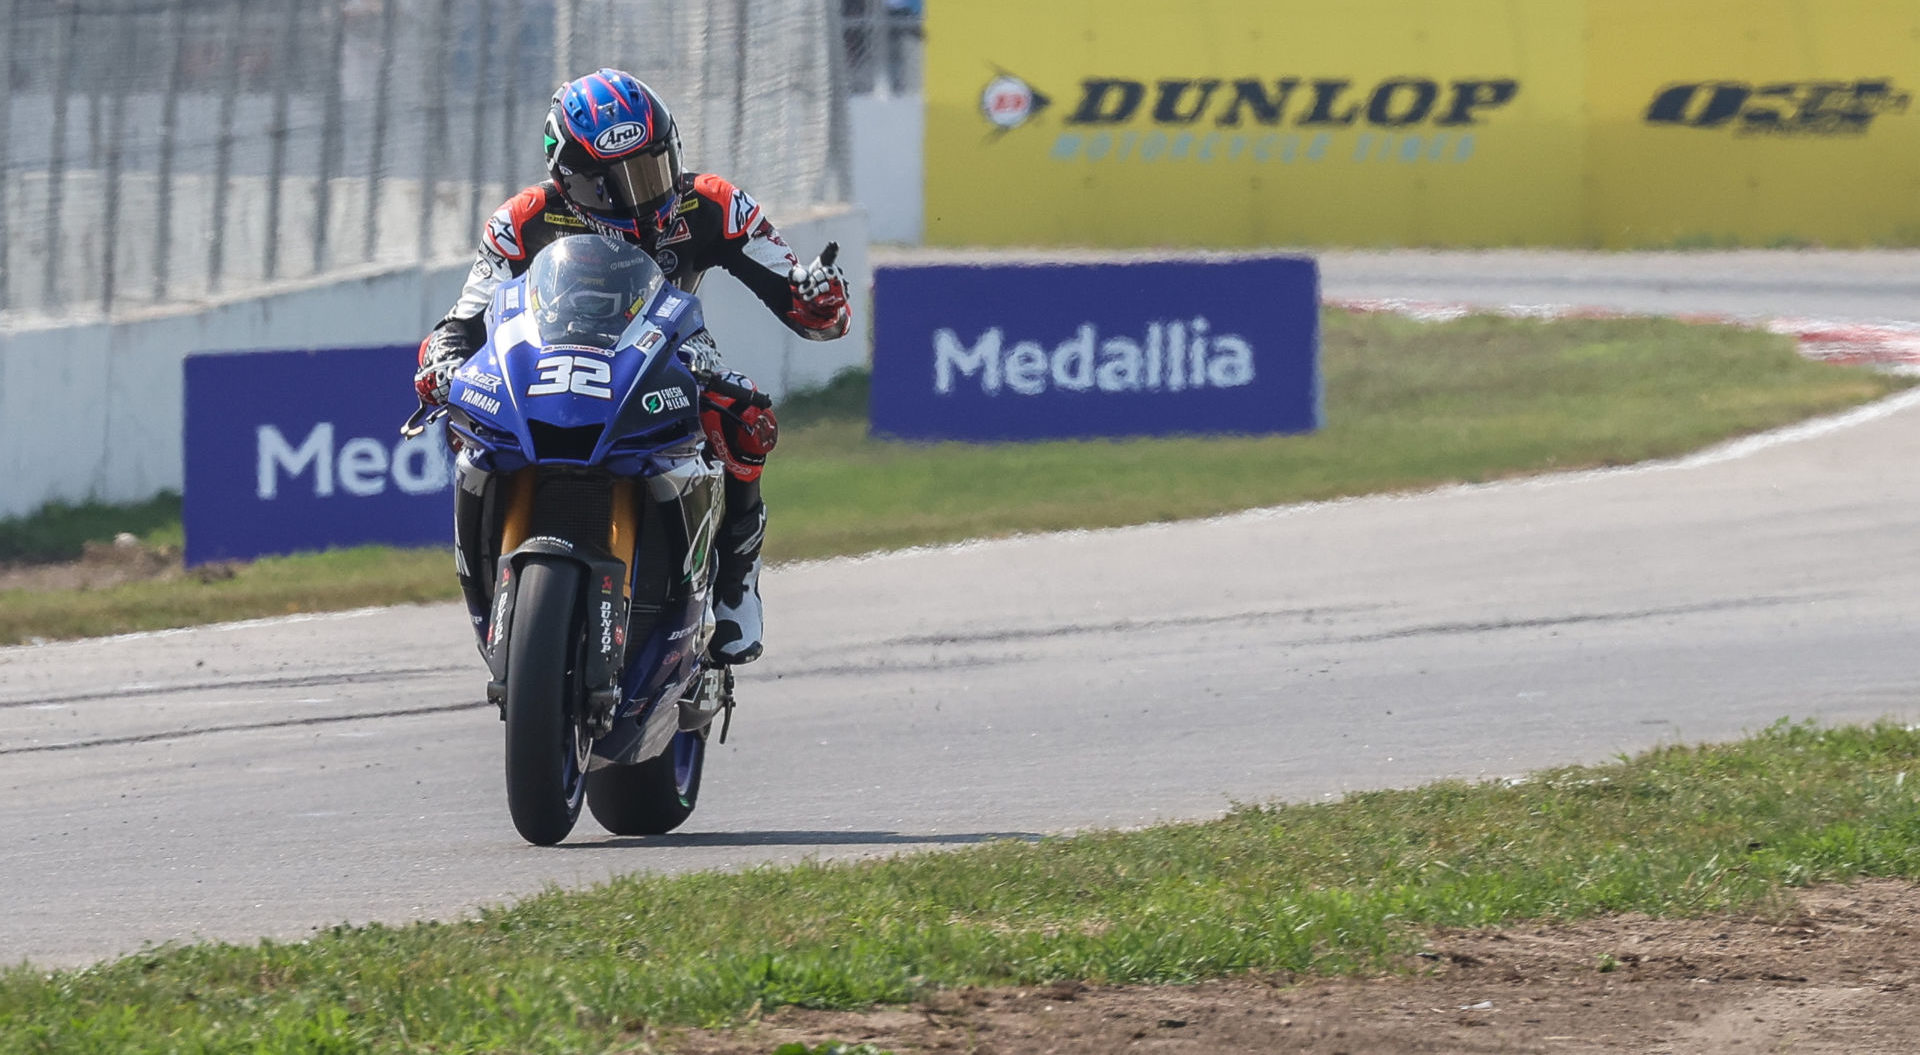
652, 797
545, 782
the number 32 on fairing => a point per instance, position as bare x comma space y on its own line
573, 373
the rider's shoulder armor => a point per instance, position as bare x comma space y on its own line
734, 208
528, 222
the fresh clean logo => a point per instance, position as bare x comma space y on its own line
1169, 357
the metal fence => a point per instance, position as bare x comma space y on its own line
883, 41
154, 151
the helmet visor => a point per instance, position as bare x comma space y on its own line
630, 188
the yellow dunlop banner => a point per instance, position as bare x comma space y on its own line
1443, 122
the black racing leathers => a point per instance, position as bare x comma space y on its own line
715, 224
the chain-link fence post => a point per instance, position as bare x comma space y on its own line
476, 171
330, 132
223, 148
856, 40
736, 142
434, 91
839, 173
712, 74
169, 136
65, 37
904, 31
120, 35
277, 136
511, 134
377, 148
9, 33
90, 87
566, 16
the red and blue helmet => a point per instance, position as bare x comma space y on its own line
614, 152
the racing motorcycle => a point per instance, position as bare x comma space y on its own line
585, 518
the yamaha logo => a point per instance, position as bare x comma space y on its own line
620, 137
1009, 101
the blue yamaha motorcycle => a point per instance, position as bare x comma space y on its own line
585, 514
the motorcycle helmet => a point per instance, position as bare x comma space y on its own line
614, 152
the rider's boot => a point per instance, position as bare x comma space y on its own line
736, 585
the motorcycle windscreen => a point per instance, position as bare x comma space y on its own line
586, 289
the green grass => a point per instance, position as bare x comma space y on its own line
1318, 889
59, 531
1408, 405
311, 582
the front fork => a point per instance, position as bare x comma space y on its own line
488, 579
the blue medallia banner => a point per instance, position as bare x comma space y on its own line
1059, 351
291, 451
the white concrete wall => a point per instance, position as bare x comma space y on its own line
92, 410
888, 133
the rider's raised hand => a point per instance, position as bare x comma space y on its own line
820, 294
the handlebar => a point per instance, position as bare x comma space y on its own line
720, 386
422, 416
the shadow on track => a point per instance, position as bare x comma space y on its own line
798, 838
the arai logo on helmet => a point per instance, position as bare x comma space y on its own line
1009, 101
623, 136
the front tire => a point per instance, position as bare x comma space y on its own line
652, 797
546, 748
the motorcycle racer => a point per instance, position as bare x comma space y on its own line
613, 166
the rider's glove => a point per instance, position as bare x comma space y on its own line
819, 298
440, 355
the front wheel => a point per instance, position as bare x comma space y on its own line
546, 748
652, 797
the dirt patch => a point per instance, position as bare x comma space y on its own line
1831, 978
101, 565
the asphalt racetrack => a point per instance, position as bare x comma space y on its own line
267, 779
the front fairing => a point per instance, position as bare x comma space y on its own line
524, 399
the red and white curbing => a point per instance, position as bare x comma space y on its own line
1892, 345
